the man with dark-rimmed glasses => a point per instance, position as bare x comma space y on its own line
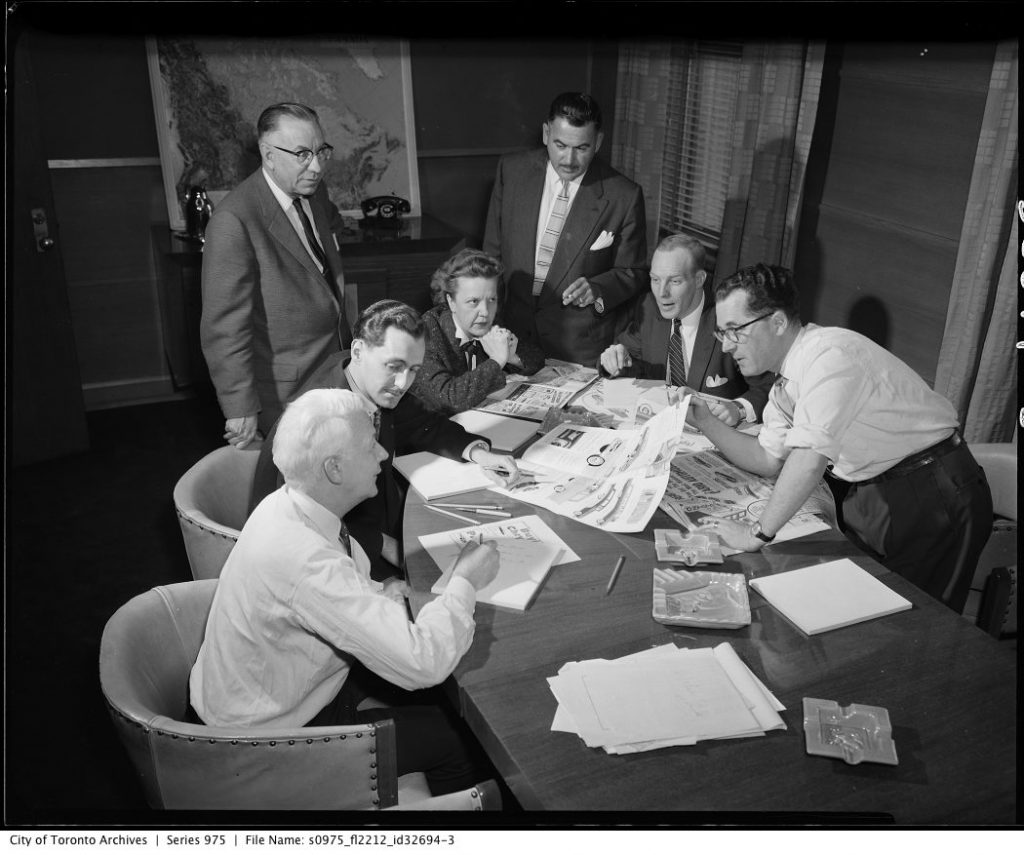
273, 289
916, 498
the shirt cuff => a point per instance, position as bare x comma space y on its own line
463, 591
476, 443
748, 410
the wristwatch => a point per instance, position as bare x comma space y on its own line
599, 305
756, 531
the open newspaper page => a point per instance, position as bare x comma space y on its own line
531, 397
610, 479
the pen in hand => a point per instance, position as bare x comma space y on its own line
615, 574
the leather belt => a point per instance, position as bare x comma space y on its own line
919, 460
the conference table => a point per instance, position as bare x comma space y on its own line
949, 688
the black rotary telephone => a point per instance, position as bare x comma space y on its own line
383, 212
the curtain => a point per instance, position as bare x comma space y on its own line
779, 88
977, 357
641, 117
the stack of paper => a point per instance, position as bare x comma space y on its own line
829, 596
662, 697
436, 477
505, 433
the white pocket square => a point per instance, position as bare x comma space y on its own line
604, 239
714, 380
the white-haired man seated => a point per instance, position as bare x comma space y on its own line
297, 619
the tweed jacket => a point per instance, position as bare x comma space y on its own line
446, 384
269, 315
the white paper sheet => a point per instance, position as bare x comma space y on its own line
436, 477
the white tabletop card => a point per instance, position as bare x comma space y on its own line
505, 433
436, 477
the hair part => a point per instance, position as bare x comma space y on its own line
374, 322
471, 263
270, 119
577, 108
308, 432
769, 287
693, 246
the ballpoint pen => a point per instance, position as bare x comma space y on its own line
450, 514
460, 506
615, 574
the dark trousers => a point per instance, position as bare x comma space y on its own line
929, 524
429, 737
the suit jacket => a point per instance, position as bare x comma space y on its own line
446, 384
406, 428
710, 369
605, 201
269, 315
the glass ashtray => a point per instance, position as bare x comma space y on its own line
856, 733
700, 598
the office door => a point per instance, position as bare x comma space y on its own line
44, 398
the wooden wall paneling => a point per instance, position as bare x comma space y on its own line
900, 152
939, 64
889, 283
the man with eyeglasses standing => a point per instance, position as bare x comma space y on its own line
671, 337
273, 289
916, 499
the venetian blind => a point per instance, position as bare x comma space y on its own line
703, 95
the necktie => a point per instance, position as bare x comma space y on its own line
676, 356
376, 423
549, 240
314, 244
472, 350
782, 400
344, 539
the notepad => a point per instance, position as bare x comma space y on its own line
829, 596
505, 433
436, 477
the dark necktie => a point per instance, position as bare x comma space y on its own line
314, 244
676, 356
345, 540
376, 423
472, 350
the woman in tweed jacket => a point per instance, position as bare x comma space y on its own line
467, 354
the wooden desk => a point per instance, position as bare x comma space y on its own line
950, 690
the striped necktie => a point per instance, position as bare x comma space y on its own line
783, 401
549, 240
676, 356
314, 244
344, 539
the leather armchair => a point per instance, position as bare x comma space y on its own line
147, 651
212, 501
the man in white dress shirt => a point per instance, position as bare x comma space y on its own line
917, 499
296, 614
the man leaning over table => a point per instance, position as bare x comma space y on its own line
386, 355
571, 234
917, 500
671, 337
296, 619
273, 289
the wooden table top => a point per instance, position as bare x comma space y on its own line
949, 688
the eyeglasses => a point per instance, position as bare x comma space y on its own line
730, 334
305, 156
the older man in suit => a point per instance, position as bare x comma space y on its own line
571, 234
273, 289
672, 337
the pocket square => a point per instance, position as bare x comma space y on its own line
714, 380
604, 239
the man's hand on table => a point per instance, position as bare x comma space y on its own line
241, 431
478, 563
735, 534
616, 359
500, 468
700, 410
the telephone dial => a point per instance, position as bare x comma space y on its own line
384, 212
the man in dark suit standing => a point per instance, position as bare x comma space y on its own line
672, 337
571, 233
273, 289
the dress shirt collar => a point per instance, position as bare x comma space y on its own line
794, 351
460, 334
691, 321
355, 387
324, 521
283, 199
554, 182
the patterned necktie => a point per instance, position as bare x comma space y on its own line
472, 350
376, 423
549, 240
676, 356
782, 400
344, 539
314, 244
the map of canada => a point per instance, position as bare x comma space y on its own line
214, 90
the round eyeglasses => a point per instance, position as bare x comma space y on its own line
304, 156
731, 334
